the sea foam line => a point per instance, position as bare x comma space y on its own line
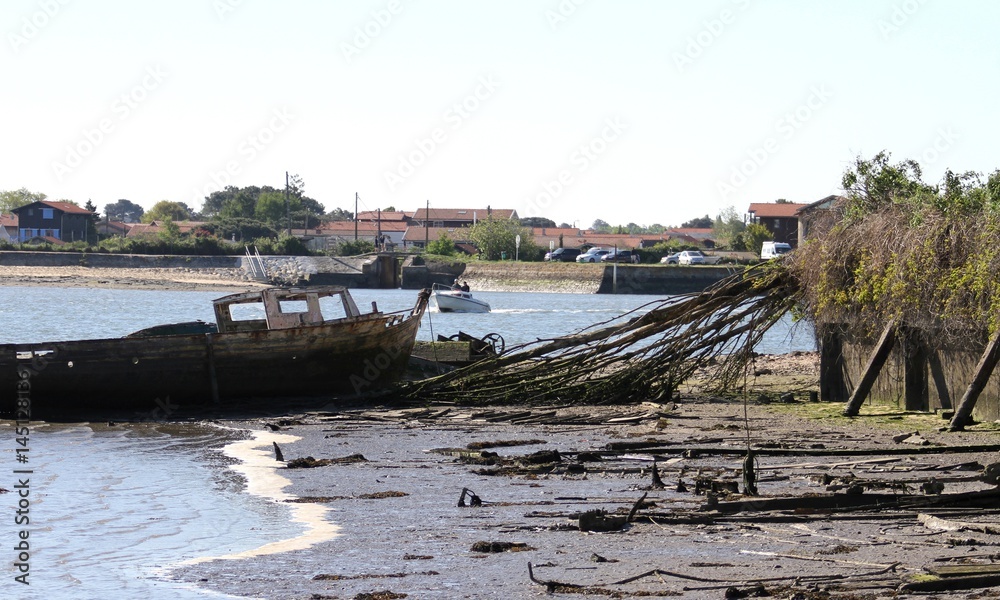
258, 465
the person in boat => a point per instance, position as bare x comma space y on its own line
465, 286
456, 287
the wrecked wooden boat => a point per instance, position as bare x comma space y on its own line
271, 343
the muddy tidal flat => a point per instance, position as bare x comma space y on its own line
632, 501
228, 280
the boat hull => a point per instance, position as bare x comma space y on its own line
458, 302
150, 374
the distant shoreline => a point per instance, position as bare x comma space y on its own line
223, 280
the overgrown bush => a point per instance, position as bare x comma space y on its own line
283, 245
354, 248
907, 252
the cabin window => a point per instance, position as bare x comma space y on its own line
47, 213
293, 306
252, 311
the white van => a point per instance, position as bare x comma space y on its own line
773, 250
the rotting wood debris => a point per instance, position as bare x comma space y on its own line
837, 483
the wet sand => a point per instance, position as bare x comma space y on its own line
402, 533
225, 280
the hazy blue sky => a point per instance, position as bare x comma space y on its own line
629, 111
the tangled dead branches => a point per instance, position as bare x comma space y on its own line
642, 355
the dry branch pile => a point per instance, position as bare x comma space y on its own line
642, 355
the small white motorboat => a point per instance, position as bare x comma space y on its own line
447, 299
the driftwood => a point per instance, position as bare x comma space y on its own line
643, 355
948, 584
938, 524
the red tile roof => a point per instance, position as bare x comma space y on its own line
8, 220
386, 215
774, 209
343, 227
462, 214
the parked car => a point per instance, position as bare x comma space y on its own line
773, 250
592, 255
562, 255
691, 257
621, 256
670, 259
696, 257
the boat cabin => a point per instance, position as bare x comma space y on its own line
282, 308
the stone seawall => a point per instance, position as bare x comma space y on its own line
534, 277
662, 279
591, 278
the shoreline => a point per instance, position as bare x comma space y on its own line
136, 278
402, 529
256, 464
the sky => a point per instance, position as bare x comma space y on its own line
631, 111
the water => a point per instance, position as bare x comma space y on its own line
113, 507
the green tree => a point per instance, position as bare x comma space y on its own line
537, 222
354, 248
165, 209
875, 184
170, 232
92, 237
494, 237
601, 226
444, 245
728, 227
124, 210
11, 199
272, 209
754, 237
699, 223
239, 229
338, 214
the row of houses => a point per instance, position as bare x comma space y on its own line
61, 222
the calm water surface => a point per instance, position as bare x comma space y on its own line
111, 506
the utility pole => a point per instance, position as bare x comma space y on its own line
288, 209
378, 233
355, 216
427, 226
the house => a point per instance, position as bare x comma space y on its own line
8, 227
106, 228
780, 218
331, 233
55, 221
458, 217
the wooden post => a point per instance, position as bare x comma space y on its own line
875, 363
987, 363
915, 388
832, 386
940, 382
